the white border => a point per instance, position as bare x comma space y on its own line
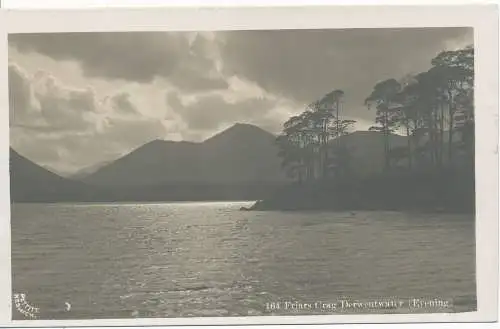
484, 19
86, 4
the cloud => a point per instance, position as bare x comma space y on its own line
299, 65
211, 112
20, 96
68, 128
185, 59
303, 65
129, 56
40, 103
121, 103
64, 109
35, 146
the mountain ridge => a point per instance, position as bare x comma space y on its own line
226, 157
240, 162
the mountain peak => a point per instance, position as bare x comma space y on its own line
244, 127
242, 124
158, 143
242, 130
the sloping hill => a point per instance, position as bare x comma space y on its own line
154, 163
242, 154
30, 182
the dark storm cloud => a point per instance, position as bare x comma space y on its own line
131, 56
305, 64
300, 65
128, 56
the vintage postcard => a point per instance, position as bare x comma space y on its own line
250, 166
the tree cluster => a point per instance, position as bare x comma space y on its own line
305, 143
433, 109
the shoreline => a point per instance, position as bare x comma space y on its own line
255, 208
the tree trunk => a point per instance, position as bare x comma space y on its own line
386, 142
432, 140
408, 143
337, 135
337, 121
325, 147
441, 135
435, 144
450, 129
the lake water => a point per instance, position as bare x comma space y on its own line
210, 259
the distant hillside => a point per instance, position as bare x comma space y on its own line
31, 182
242, 154
366, 149
87, 171
240, 163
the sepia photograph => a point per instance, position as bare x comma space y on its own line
242, 173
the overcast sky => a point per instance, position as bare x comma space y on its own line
77, 99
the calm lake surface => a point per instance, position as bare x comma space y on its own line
210, 259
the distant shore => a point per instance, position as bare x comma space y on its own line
268, 206
441, 192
